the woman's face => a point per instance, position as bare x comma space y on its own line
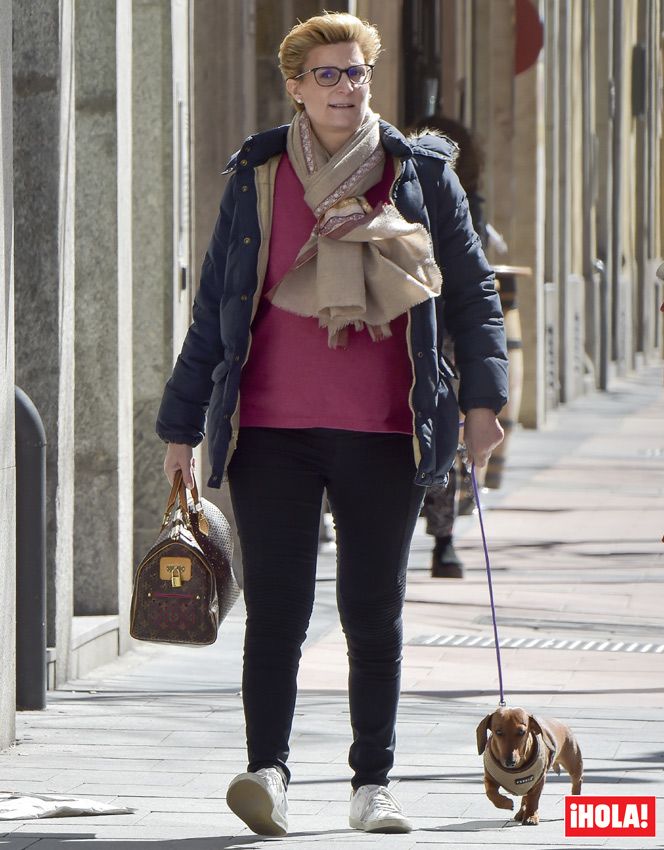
335, 111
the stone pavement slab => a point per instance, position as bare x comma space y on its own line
575, 538
440, 784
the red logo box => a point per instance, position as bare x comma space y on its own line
610, 816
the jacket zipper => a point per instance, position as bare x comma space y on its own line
417, 452
264, 214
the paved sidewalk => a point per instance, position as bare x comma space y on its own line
575, 536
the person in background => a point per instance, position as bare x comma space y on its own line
442, 502
315, 350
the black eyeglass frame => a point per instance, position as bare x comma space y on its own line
370, 70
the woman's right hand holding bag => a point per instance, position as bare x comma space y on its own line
180, 456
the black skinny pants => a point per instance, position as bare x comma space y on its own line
277, 477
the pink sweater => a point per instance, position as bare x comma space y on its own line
292, 378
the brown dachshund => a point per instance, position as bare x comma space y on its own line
521, 749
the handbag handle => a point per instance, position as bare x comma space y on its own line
170, 504
179, 491
203, 525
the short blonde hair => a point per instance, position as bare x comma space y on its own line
329, 28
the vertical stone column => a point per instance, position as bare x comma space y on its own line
125, 416
64, 552
182, 273
578, 234
527, 240
7, 460
551, 202
223, 107
622, 165
589, 212
152, 260
44, 162
100, 365
493, 107
605, 209
387, 91
565, 130
559, 115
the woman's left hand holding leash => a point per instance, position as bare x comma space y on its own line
482, 433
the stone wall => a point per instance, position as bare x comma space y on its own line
98, 359
7, 462
44, 197
152, 260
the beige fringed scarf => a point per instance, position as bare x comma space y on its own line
360, 266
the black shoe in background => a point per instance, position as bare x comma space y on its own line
445, 562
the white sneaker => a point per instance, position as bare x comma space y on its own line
374, 809
259, 799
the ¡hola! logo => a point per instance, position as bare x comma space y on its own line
610, 816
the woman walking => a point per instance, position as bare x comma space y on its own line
315, 350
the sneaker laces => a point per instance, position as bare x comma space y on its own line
274, 781
383, 803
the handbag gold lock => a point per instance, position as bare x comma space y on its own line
175, 570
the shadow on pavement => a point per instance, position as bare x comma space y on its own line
472, 826
80, 841
483, 825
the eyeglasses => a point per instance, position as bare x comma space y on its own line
330, 76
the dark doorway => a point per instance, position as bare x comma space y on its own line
421, 28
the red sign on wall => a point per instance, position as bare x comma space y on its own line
529, 35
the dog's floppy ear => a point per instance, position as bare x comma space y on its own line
541, 727
482, 731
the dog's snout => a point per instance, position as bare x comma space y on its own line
510, 761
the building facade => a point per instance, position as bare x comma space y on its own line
118, 118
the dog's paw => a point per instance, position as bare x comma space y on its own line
504, 803
519, 815
533, 820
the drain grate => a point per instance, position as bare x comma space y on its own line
579, 644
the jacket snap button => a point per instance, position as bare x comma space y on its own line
236, 358
244, 162
243, 297
420, 354
247, 240
245, 188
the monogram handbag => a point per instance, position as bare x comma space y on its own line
184, 586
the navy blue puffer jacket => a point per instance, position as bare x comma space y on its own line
206, 377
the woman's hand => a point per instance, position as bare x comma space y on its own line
180, 456
482, 433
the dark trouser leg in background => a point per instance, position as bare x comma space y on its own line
440, 510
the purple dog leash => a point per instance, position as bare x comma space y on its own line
476, 493
487, 561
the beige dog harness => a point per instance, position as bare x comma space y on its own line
519, 781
